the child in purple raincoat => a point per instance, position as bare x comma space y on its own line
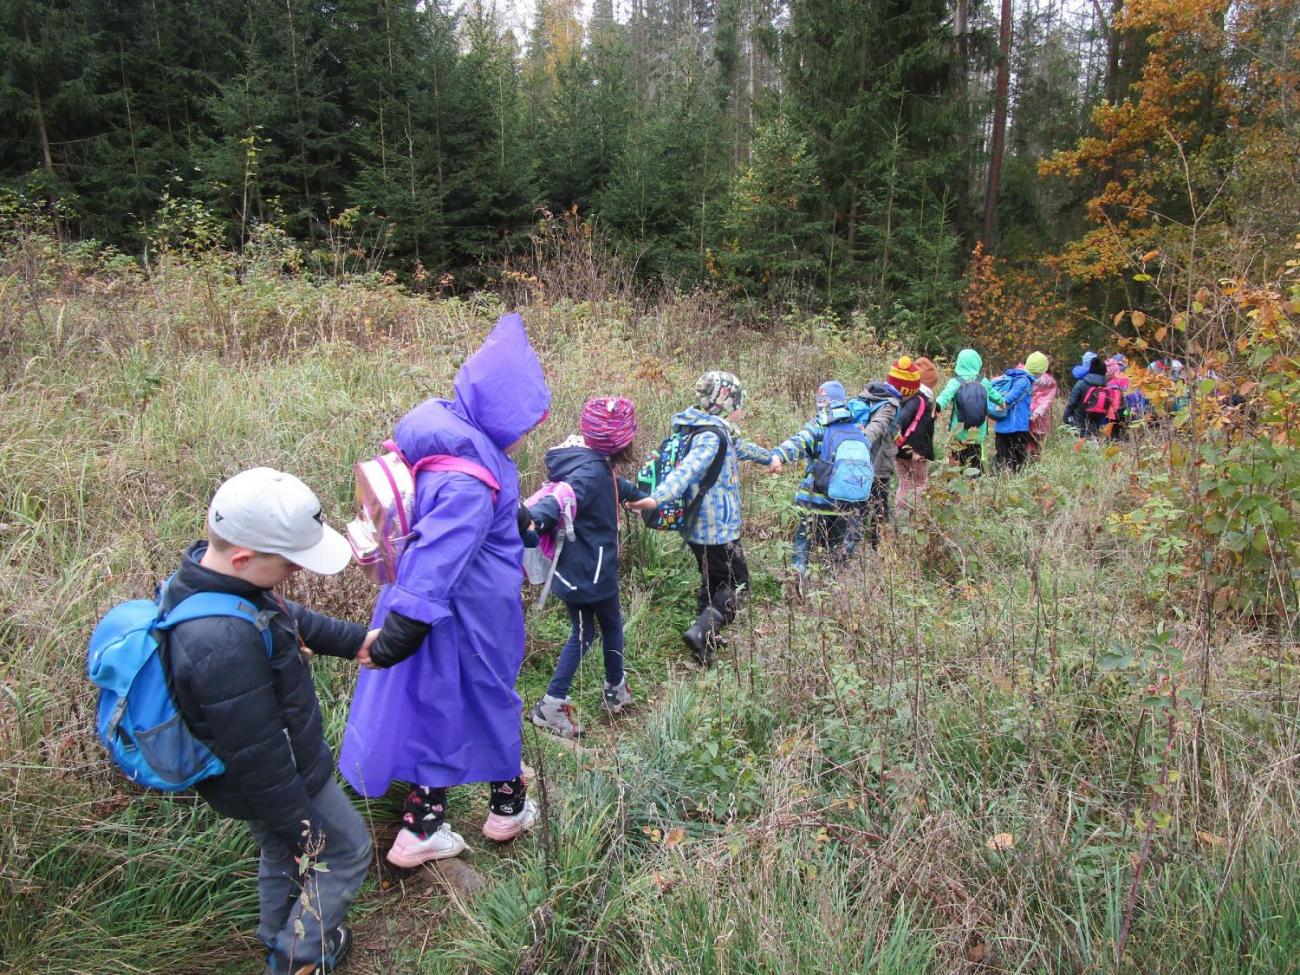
444, 710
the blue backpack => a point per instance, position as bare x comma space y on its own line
864, 410
138, 721
843, 469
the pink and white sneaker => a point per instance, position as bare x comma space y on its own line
408, 850
502, 828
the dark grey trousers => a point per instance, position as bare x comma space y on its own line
298, 913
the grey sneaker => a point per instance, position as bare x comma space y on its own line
557, 715
616, 697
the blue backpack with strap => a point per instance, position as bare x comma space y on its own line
843, 470
137, 721
863, 410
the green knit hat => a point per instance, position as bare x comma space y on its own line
1036, 364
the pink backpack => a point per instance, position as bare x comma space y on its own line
385, 502
539, 562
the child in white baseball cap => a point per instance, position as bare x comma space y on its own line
259, 714
272, 513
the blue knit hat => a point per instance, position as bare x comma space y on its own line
1081, 370
831, 393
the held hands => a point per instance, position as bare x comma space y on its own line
363, 655
774, 465
645, 504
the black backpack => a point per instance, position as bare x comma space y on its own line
971, 404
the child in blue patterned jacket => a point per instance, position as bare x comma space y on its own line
823, 522
713, 534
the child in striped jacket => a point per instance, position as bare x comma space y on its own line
713, 534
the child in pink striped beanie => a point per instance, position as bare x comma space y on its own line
586, 576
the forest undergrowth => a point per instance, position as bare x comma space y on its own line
991, 746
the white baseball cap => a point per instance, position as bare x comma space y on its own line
269, 511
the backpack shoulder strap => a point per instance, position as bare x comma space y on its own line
711, 473
450, 464
204, 604
714, 470
911, 427
833, 435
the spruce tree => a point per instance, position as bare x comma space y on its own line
490, 182
48, 96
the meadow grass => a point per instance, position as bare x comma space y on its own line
929, 763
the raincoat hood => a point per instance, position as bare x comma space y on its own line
968, 365
564, 461
500, 389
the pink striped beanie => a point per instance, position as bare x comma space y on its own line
608, 423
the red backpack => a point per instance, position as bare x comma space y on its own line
1103, 401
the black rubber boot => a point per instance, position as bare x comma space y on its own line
701, 637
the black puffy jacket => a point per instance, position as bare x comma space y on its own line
259, 715
587, 571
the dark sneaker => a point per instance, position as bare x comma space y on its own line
340, 943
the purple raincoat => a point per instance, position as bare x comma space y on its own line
449, 714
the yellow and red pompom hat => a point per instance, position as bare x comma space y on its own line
904, 376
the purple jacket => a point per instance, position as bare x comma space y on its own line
449, 714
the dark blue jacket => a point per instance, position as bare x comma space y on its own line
1074, 412
587, 571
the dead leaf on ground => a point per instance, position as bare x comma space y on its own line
1000, 841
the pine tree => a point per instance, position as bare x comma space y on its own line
869, 84
160, 66
578, 101
47, 98
285, 100
667, 188
397, 51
